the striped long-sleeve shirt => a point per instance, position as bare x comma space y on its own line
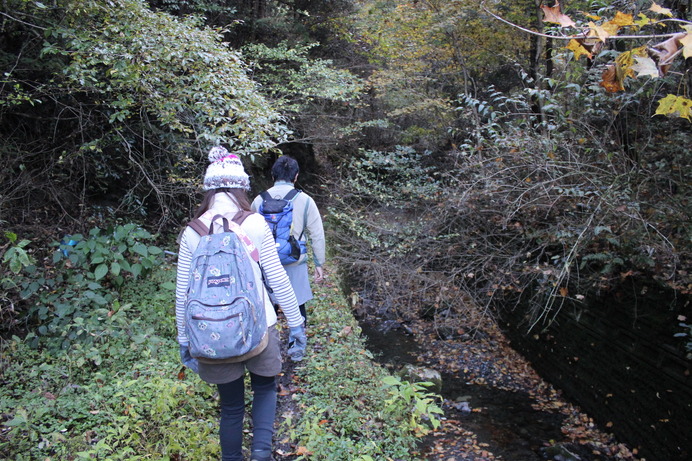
260, 234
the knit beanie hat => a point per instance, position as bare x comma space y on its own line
225, 170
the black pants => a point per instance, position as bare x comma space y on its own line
233, 410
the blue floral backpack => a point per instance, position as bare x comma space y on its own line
225, 316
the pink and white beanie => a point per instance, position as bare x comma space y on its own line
225, 170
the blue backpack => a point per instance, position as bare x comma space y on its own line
225, 316
279, 215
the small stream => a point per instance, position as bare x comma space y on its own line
618, 359
506, 422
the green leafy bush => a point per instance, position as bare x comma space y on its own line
136, 98
16, 256
413, 399
123, 397
76, 300
344, 415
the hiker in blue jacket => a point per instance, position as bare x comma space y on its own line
307, 221
226, 184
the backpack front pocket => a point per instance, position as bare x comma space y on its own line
220, 332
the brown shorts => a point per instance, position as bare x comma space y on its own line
268, 363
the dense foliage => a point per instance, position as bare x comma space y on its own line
108, 382
476, 156
109, 103
552, 189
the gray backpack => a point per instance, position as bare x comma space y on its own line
225, 316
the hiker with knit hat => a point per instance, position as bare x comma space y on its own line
226, 185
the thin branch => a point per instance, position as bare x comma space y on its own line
571, 37
22, 22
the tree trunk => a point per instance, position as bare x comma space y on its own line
538, 48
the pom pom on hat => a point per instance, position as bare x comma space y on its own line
217, 153
225, 170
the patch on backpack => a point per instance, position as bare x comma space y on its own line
220, 281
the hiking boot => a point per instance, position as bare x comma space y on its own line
261, 455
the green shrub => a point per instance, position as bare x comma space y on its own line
345, 415
76, 300
121, 397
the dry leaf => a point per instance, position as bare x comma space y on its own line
610, 81
686, 43
676, 106
622, 19
645, 66
564, 292
283, 391
656, 8
610, 28
668, 48
555, 15
578, 49
625, 61
600, 32
666, 51
302, 451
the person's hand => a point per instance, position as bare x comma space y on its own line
319, 274
297, 340
187, 359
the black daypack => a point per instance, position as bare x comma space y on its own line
279, 215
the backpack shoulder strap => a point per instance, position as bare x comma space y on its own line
305, 220
265, 195
238, 219
240, 216
235, 228
198, 226
288, 197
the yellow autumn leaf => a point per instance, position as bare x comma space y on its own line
673, 105
611, 27
643, 20
622, 19
578, 49
591, 16
599, 31
656, 8
625, 61
686, 43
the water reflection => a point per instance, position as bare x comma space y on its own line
503, 420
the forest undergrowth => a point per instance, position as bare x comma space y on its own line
519, 220
100, 377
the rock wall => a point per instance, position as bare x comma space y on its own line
619, 361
